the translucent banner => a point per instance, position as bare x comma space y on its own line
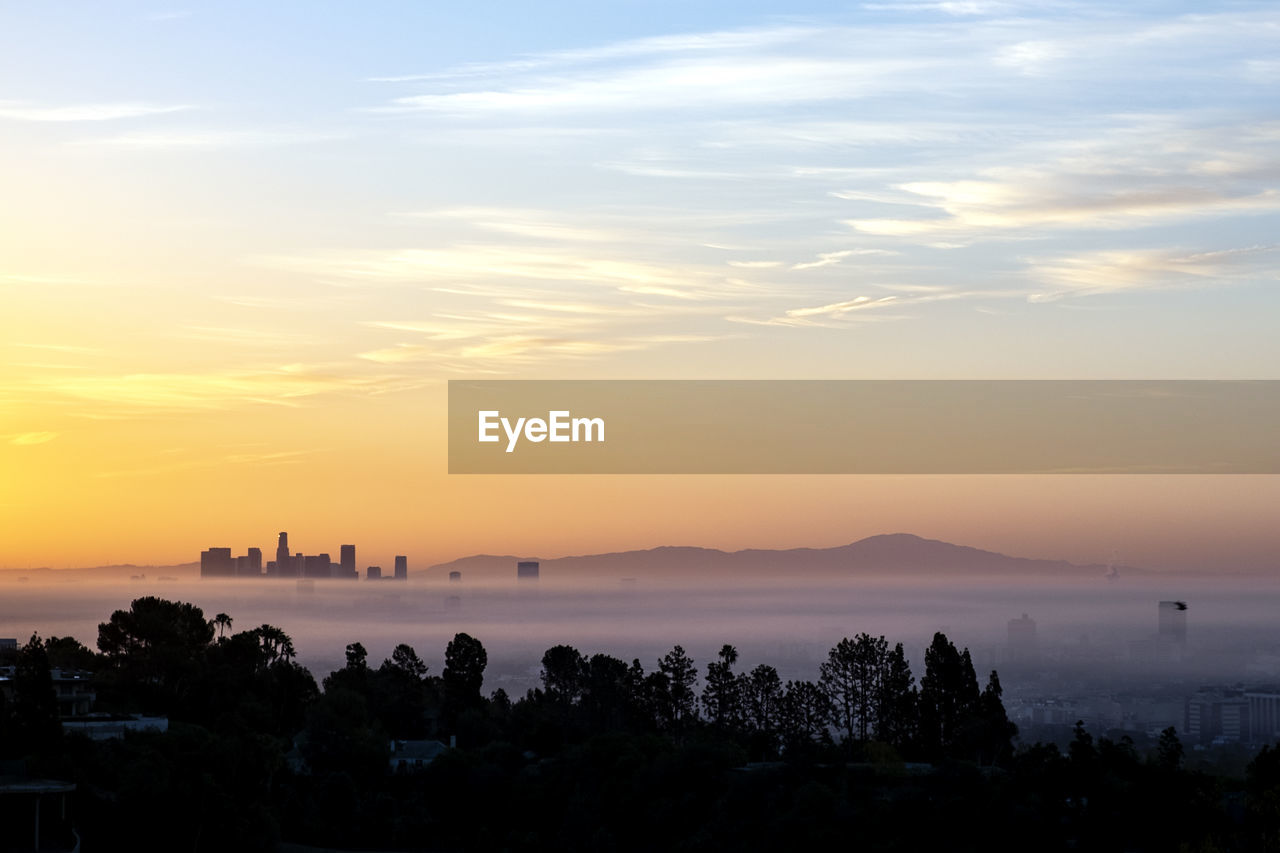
864, 427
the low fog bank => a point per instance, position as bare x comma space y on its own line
1094, 630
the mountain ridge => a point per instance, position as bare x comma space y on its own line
899, 553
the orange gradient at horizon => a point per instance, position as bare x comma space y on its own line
371, 471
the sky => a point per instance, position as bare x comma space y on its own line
243, 246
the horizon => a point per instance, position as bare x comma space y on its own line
897, 535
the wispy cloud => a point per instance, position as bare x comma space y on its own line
793, 65
827, 259
25, 438
1110, 272
72, 348
187, 140
110, 111
498, 262
511, 350
258, 459
286, 385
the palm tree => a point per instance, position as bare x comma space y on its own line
223, 623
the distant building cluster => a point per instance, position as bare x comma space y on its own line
218, 563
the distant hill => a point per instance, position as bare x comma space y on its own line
896, 554
182, 571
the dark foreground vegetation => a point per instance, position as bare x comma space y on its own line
605, 756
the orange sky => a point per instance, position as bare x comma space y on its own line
234, 282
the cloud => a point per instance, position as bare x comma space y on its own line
682, 83
44, 280
839, 309
21, 111
264, 458
488, 263
827, 259
24, 438
862, 309
1147, 171
506, 350
811, 66
207, 139
536, 224
286, 385
1111, 272
974, 208
71, 348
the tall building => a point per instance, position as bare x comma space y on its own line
1217, 714
1173, 621
373, 573
250, 565
217, 563
316, 566
348, 560
1023, 644
284, 563
402, 568
527, 570
1264, 714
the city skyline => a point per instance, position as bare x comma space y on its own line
217, 562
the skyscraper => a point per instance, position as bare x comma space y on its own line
1023, 643
527, 570
348, 557
402, 568
217, 563
316, 566
250, 565
283, 561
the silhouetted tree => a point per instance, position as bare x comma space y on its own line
994, 730
804, 713
341, 737
1169, 752
276, 644
400, 695
1262, 797
153, 632
564, 674
69, 653
607, 702
36, 728
761, 691
463, 675
850, 676
721, 697
681, 698
948, 696
405, 659
896, 711
154, 650
355, 676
